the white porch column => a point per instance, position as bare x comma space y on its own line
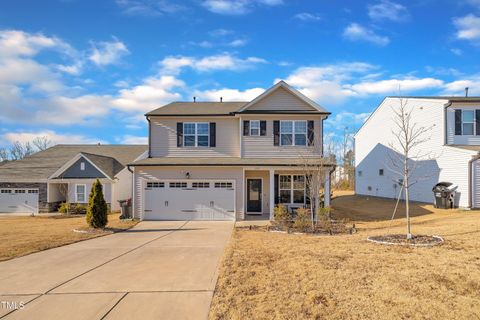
272, 192
327, 190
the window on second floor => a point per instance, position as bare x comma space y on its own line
196, 134
466, 122
293, 133
254, 127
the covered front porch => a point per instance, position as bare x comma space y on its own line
265, 188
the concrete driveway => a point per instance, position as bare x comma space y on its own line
157, 270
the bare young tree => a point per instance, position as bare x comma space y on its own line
4, 155
21, 150
315, 169
405, 155
42, 143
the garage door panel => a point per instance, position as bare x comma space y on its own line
202, 203
18, 200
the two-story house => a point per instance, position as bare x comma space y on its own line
449, 154
229, 160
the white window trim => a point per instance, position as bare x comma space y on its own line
82, 166
293, 133
196, 134
473, 123
84, 193
293, 189
256, 121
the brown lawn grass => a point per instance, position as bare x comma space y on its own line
20, 236
279, 276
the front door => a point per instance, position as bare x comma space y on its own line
254, 195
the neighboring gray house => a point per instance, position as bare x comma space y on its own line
229, 160
40, 182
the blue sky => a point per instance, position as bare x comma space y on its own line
86, 71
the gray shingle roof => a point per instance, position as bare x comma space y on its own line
42, 165
197, 108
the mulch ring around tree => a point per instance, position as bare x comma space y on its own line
401, 240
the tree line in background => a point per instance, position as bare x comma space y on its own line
340, 152
19, 150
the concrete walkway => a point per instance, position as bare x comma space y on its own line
157, 270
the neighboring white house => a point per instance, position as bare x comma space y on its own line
65, 173
228, 160
450, 155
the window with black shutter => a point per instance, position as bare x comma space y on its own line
246, 127
276, 132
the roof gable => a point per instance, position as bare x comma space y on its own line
81, 168
282, 97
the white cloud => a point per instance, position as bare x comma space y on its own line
388, 10
149, 7
457, 87
456, 51
225, 61
346, 119
237, 43
229, 94
356, 32
106, 53
468, 28
56, 138
152, 93
306, 16
130, 139
220, 32
396, 86
237, 7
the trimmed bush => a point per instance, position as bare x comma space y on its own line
97, 209
64, 207
302, 221
79, 208
281, 217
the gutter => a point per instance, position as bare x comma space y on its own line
149, 138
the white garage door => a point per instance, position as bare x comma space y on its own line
19, 200
476, 184
189, 200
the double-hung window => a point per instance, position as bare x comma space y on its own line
254, 127
196, 134
80, 193
292, 189
468, 122
293, 133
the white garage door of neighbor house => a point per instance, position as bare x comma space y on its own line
19, 200
189, 200
476, 184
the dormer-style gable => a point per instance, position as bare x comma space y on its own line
282, 98
85, 165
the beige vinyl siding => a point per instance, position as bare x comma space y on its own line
164, 138
143, 174
262, 146
281, 99
107, 189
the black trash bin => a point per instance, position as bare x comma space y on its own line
444, 193
125, 209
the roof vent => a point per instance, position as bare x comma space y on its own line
221, 99
194, 99
466, 91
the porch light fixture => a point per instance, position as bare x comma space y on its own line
187, 175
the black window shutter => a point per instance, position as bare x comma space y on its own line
276, 188
276, 132
477, 122
458, 122
311, 132
246, 127
213, 134
179, 134
263, 128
